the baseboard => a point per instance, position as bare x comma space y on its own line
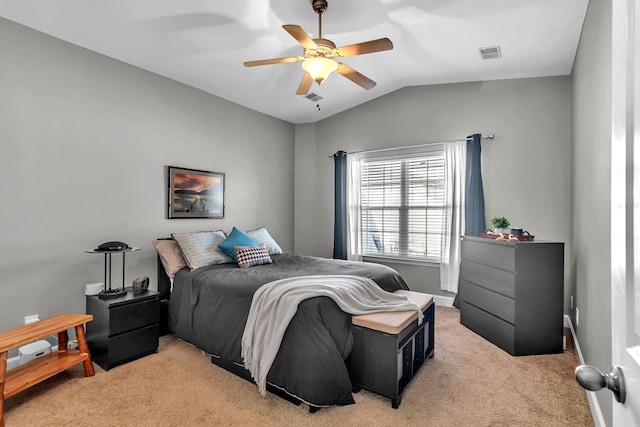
596, 412
443, 301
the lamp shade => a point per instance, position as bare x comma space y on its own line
319, 68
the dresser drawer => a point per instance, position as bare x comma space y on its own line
496, 304
133, 316
491, 254
500, 281
490, 327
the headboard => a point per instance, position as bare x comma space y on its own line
164, 283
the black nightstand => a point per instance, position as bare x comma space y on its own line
124, 328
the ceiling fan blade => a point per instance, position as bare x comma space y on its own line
359, 79
301, 35
273, 61
305, 84
365, 47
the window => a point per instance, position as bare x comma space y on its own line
402, 204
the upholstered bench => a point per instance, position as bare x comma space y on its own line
390, 347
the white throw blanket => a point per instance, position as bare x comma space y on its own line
274, 305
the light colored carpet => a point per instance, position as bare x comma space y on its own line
469, 382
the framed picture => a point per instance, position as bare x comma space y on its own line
195, 193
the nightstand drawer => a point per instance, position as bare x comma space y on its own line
133, 316
135, 343
130, 346
496, 304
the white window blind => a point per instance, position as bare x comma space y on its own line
402, 206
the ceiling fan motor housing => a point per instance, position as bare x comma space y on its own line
320, 6
326, 48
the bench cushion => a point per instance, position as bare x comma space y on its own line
393, 322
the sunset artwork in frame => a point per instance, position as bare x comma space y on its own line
195, 193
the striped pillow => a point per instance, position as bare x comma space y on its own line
201, 248
248, 256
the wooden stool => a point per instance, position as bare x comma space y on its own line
35, 371
389, 347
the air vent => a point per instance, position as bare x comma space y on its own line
313, 97
490, 52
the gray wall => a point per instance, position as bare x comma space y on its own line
526, 169
84, 141
305, 187
591, 203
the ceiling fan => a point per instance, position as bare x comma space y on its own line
320, 53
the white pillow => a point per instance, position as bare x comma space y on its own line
200, 248
261, 235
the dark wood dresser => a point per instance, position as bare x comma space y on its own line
511, 293
124, 328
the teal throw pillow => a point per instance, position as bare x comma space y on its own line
237, 237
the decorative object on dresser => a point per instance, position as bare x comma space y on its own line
124, 328
107, 249
500, 224
390, 347
517, 231
512, 293
195, 193
525, 235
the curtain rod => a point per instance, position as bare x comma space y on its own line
489, 136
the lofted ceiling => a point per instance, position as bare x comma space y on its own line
203, 43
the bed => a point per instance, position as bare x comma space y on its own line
208, 307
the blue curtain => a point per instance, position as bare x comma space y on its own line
474, 192
340, 206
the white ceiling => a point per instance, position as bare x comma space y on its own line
203, 43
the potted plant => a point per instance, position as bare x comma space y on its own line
500, 224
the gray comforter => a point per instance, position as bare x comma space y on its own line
209, 308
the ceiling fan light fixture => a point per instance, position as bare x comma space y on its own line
319, 68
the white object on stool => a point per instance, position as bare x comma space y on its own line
33, 350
